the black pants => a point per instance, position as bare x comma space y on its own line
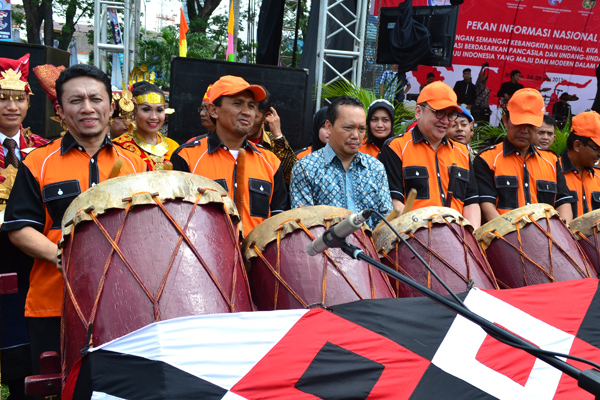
44, 335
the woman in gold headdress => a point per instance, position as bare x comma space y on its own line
145, 139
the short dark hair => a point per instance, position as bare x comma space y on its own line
265, 105
573, 137
79, 70
548, 119
514, 72
431, 75
143, 87
466, 70
332, 110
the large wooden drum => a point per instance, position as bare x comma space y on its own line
531, 245
283, 276
585, 229
147, 247
444, 239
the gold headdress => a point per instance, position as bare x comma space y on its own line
13, 76
124, 108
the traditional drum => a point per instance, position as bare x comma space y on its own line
283, 276
585, 229
444, 239
531, 245
147, 247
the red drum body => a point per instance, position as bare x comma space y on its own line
147, 247
530, 246
283, 276
444, 239
585, 229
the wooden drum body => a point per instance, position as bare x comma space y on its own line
530, 246
444, 239
283, 276
147, 247
586, 230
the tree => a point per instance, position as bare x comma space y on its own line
199, 12
72, 11
36, 12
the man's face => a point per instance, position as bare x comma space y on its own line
521, 136
462, 132
515, 78
544, 136
589, 154
86, 107
348, 130
12, 112
259, 120
467, 76
433, 129
205, 117
236, 113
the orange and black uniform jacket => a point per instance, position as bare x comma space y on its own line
266, 193
509, 183
411, 162
368, 147
584, 189
47, 182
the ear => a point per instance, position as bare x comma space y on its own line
577, 145
60, 111
328, 126
213, 111
418, 112
112, 107
504, 119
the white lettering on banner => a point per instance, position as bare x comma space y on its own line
592, 50
525, 52
575, 35
585, 65
525, 30
494, 40
482, 26
565, 47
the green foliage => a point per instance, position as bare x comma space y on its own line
560, 140
403, 115
5, 392
18, 18
487, 135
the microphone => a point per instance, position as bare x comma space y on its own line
338, 233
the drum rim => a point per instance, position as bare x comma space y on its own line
266, 232
504, 225
585, 223
187, 191
384, 239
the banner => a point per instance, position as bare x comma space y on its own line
553, 43
5, 23
117, 58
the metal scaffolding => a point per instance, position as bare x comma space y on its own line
331, 15
129, 27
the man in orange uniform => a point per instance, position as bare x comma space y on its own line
515, 173
579, 162
48, 180
422, 158
233, 109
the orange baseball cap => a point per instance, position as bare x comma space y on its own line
587, 124
439, 96
526, 106
207, 94
229, 85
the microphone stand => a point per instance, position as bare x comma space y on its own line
588, 380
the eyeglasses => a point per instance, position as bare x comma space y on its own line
440, 114
592, 146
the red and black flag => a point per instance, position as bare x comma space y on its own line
410, 349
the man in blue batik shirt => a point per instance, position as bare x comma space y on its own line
338, 174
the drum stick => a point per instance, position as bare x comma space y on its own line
410, 199
390, 217
168, 166
240, 180
116, 169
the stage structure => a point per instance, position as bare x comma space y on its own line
338, 21
131, 27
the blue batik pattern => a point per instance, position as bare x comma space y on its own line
320, 179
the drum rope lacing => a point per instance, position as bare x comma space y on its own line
115, 249
279, 279
524, 256
431, 252
595, 245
